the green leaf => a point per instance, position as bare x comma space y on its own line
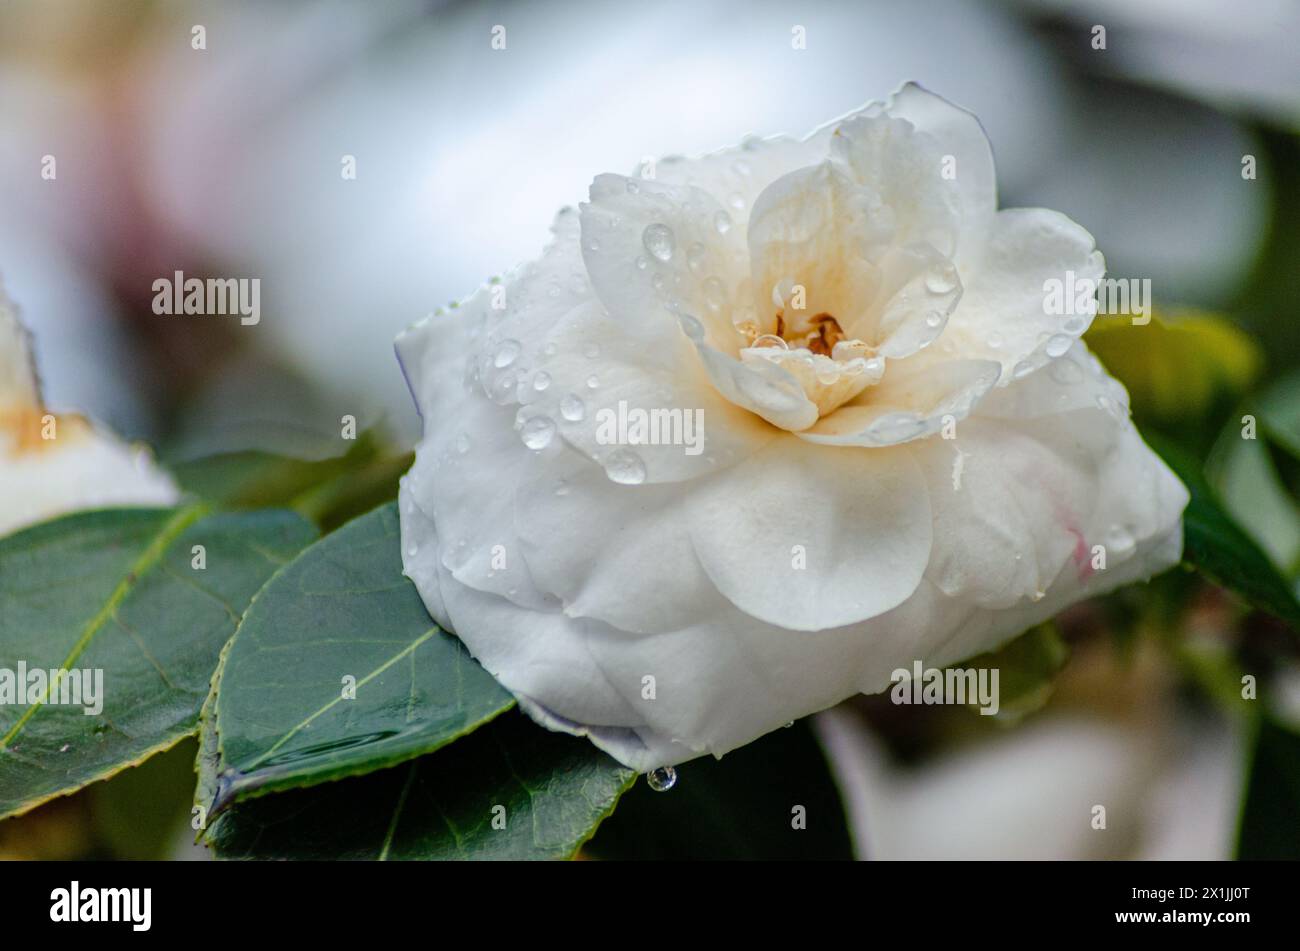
329, 491
1246, 479
352, 494
1178, 367
552, 790
739, 807
342, 609
117, 591
257, 479
1279, 414
1217, 547
1027, 669
1270, 815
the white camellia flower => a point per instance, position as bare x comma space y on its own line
901, 455
51, 464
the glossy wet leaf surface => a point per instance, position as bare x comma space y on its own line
118, 591
1215, 545
510, 790
338, 670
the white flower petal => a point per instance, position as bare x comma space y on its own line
670, 603
475, 519
18, 383
55, 463
654, 251
1050, 487
597, 364
551, 665
80, 469
959, 135
1003, 312
858, 522
736, 176
902, 167
913, 400
765, 389
611, 552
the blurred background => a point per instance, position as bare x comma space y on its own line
226, 158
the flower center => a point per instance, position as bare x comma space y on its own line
820, 335
830, 369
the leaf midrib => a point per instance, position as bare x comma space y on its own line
147, 560
306, 721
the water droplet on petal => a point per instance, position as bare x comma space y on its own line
625, 467
662, 779
592, 382
537, 432
896, 428
572, 408
632, 187
659, 241
942, 279
722, 222
541, 380
691, 327
506, 353
695, 258
462, 443
1119, 540
715, 293
1058, 345
1065, 371
995, 340
503, 391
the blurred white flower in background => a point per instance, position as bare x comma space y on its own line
52, 226
1170, 787
1237, 56
1117, 731
51, 463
